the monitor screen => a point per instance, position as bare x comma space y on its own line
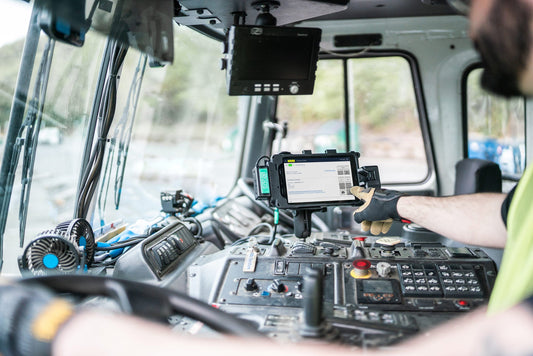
279, 57
272, 60
310, 180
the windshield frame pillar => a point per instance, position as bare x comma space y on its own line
16, 118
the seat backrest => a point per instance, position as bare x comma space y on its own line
474, 175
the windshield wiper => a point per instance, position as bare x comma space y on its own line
32, 125
127, 127
121, 139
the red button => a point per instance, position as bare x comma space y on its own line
462, 303
361, 264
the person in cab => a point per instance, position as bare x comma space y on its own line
502, 33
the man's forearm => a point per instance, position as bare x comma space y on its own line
476, 334
473, 219
472, 334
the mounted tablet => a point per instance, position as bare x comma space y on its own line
310, 182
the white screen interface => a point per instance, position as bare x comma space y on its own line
318, 180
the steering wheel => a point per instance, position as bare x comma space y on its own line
146, 301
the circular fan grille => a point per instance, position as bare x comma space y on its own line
51, 252
82, 233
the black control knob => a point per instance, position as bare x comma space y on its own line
278, 287
251, 285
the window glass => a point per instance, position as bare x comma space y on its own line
185, 134
316, 122
69, 96
496, 130
383, 118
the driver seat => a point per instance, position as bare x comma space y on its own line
474, 175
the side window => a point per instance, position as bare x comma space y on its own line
316, 122
383, 118
495, 127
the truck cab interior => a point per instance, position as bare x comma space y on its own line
157, 144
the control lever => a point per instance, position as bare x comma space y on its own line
313, 319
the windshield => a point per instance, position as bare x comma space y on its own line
182, 132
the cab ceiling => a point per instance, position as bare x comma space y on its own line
219, 14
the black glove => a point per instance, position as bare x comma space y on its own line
378, 210
29, 319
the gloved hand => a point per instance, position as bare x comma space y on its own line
29, 319
379, 209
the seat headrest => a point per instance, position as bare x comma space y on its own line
474, 175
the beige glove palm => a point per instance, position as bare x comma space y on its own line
378, 210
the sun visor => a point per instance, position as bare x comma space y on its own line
144, 25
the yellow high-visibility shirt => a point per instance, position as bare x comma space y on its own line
515, 278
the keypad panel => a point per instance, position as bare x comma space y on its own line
439, 280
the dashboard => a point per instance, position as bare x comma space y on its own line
333, 286
361, 291
364, 291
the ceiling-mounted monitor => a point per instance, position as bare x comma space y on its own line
265, 60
